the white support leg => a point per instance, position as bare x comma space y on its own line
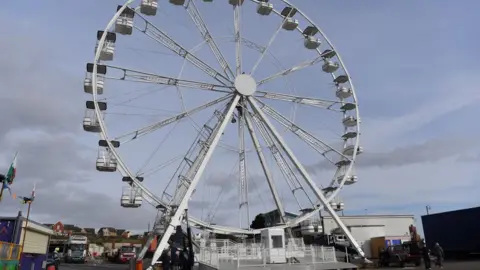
237, 15
306, 176
266, 171
242, 170
180, 211
146, 246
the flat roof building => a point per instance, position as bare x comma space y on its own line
37, 236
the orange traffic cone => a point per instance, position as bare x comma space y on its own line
139, 265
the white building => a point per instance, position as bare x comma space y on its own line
37, 237
395, 228
367, 226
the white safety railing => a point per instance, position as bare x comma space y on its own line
235, 255
208, 256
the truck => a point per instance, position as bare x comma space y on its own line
122, 254
401, 254
456, 231
76, 249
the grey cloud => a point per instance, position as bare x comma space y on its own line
35, 92
469, 158
36, 117
230, 181
72, 204
225, 185
430, 151
40, 122
426, 152
51, 160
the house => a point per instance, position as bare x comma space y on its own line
89, 231
136, 236
107, 232
123, 233
71, 229
64, 229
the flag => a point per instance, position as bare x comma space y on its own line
6, 186
12, 171
29, 200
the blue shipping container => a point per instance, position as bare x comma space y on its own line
456, 231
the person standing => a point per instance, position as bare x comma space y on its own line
439, 254
166, 259
426, 256
56, 257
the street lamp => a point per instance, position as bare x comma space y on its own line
428, 208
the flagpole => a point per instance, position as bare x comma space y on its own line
2, 180
25, 233
26, 225
32, 198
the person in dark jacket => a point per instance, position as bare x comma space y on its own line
165, 258
426, 256
439, 254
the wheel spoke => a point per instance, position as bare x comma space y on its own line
320, 147
132, 135
315, 102
295, 68
192, 177
306, 176
270, 42
144, 77
202, 27
158, 35
242, 170
287, 171
266, 170
237, 20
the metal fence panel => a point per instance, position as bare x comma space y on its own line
9, 251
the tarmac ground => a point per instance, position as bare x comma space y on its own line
106, 266
448, 265
456, 265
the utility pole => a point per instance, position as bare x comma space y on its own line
2, 181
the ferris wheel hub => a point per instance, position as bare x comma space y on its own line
245, 84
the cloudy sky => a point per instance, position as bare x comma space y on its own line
414, 65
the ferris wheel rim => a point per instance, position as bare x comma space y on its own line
124, 169
354, 97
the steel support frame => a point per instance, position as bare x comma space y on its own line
152, 127
288, 173
202, 28
163, 38
318, 193
242, 169
238, 38
266, 171
176, 219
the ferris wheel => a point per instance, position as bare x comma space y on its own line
257, 115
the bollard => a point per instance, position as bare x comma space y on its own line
139, 265
131, 264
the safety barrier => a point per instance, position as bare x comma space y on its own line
234, 256
9, 251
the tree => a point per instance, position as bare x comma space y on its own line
258, 222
